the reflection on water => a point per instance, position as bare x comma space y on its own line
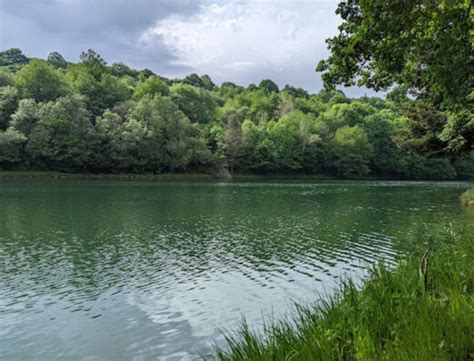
102, 270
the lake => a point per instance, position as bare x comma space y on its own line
122, 270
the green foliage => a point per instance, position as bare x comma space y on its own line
231, 145
261, 105
392, 317
40, 81
11, 142
6, 78
100, 89
8, 104
352, 151
293, 138
57, 60
229, 90
140, 122
25, 117
198, 104
467, 198
63, 136
464, 166
121, 70
204, 81
151, 86
295, 92
153, 135
12, 59
12, 56
268, 86
423, 46
94, 63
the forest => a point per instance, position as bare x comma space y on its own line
91, 117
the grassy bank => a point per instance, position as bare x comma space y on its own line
422, 310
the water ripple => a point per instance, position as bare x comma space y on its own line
136, 270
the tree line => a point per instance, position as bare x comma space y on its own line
94, 117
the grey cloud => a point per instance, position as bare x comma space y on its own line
91, 16
112, 27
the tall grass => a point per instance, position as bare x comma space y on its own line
421, 310
467, 198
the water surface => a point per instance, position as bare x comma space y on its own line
115, 270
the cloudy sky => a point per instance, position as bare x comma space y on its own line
242, 41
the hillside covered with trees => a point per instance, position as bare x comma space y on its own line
99, 118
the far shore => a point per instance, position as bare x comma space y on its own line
191, 176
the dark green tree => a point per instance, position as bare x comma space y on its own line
268, 86
57, 60
11, 144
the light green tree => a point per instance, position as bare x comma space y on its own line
40, 81
151, 86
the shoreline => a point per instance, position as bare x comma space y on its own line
198, 176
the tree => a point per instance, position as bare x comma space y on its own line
294, 141
13, 59
25, 117
158, 136
422, 128
261, 106
204, 81
232, 140
257, 149
100, 89
352, 151
6, 78
8, 104
295, 92
268, 86
340, 115
121, 70
63, 136
207, 82
57, 60
381, 128
11, 142
151, 86
229, 90
111, 154
91, 57
40, 81
93, 64
423, 45
198, 104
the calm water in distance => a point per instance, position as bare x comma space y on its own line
115, 270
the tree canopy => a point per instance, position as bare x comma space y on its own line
423, 47
94, 117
